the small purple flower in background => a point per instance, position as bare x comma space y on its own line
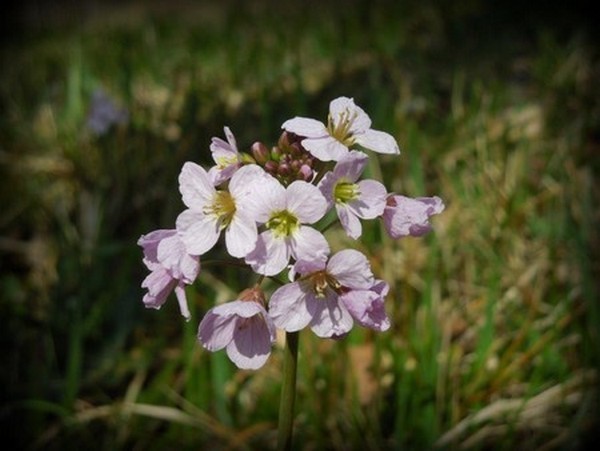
347, 125
104, 113
171, 269
284, 211
243, 327
404, 216
226, 156
329, 296
365, 199
210, 210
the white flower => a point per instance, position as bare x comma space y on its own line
347, 125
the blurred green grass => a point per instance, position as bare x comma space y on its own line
494, 340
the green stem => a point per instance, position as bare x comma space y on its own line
288, 392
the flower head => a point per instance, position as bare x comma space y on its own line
404, 216
284, 213
226, 156
353, 199
242, 327
347, 125
171, 268
329, 296
210, 210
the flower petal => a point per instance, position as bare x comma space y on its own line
309, 244
182, 301
351, 268
366, 307
351, 166
378, 141
270, 255
349, 221
344, 108
149, 243
216, 328
330, 317
287, 307
405, 216
195, 186
252, 342
267, 196
198, 232
159, 284
303, 126
306, 202
241, 235
371, 201
326, 148
173, 256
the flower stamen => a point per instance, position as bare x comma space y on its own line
223, 207
283, 223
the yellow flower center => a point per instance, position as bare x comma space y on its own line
341, 130
321, 280
283, 223
223, 207
223, 162
345, 192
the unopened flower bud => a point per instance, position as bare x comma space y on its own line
260, 152
271, 167
276, 153
305, 173
284, 140
284, 169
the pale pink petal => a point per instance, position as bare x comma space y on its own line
378, 141
351, 166
268, 196
173, 255
198, 232
241, 235
159, 284
329, 317
245, 180
351, 268
305, 201
182, 301
270, 256
326, 186
195, 186
303, 126
252, 342
149, 244
326, 148
371, 201
218, 325
304, 267
309, 244
287, 307
345, 108
349, 221
366, 307
404, 216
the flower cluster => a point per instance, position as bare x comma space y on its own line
267, 203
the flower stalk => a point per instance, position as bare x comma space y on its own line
288, 392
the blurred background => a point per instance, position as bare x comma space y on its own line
494, 338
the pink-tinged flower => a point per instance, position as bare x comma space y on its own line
284, 211
210, 211
367, 308
347, 125
405, 216
226, 156
171, 268
328, 295
353, 200
243, 327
